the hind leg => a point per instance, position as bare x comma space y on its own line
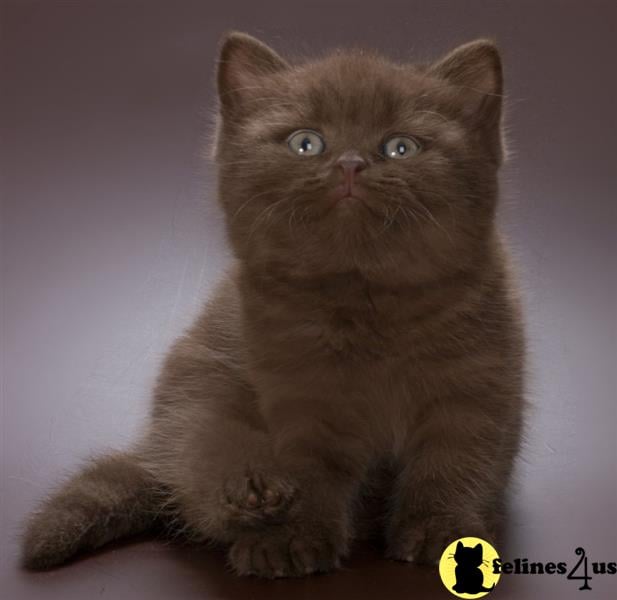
217, 458
247, 486
277, 490
256, 493
278, 518
324, 453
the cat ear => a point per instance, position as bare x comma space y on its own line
475, 68
459, 546
478, 548
243, 64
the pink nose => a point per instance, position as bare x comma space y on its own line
351, 162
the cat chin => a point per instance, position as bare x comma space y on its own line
348, 207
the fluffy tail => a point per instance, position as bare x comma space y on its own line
111, 498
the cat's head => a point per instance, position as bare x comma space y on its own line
467, 556
354, 162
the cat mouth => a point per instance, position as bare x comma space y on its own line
354, 202
347, 194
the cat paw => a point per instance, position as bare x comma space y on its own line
284, 552
422, 540
257, 496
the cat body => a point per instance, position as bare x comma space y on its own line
368, 326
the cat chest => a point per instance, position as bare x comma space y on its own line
344, 333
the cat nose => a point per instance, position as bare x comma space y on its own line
351, 162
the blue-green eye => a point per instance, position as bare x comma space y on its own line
306, 143
400, 146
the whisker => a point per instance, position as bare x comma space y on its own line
249, 200
266, 212
432, 218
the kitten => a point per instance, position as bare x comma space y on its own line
368, 329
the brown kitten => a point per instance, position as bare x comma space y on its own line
367, 331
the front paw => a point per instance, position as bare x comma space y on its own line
287, 551
422, 539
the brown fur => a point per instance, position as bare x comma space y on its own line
372, 350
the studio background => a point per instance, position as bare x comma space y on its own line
112, 239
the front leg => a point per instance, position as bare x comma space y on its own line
452, 479
324, 457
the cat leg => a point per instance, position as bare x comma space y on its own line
326, 462
210, 446
451, 482
111, 498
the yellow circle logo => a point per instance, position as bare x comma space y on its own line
466, 568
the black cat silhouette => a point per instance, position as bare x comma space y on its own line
469, 577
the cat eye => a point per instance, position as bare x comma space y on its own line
400, 146
306, 143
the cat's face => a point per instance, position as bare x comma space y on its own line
467, 556
354, 162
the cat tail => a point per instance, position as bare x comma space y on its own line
483, 589
112, 497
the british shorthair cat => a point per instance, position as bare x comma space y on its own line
369, 328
